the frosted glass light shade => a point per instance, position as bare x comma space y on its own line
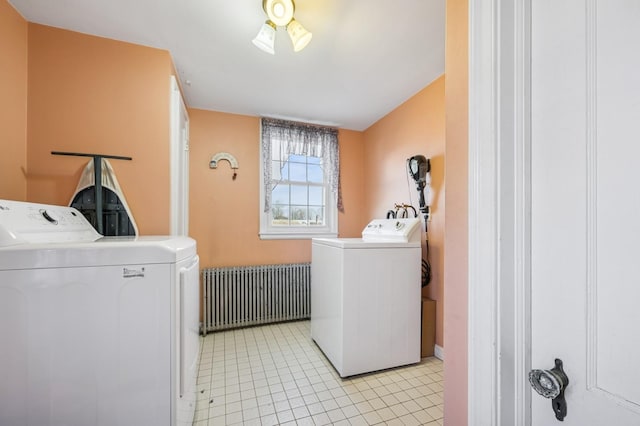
266, 37
300, 37
280, 12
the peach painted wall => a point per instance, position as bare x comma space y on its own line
223, 216
415, 127
13, 103
456, 240
353, 181
96, 95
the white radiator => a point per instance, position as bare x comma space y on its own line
241, 296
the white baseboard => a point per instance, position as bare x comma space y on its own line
438, 352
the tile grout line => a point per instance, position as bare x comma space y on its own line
282, 351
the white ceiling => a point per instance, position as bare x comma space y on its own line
366, 56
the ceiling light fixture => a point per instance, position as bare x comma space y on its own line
280, 14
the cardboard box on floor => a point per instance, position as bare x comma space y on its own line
428, 327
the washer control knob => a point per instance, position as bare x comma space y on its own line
51, 217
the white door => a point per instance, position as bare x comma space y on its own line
586, 207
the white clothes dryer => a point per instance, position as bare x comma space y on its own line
94, 331
366, 295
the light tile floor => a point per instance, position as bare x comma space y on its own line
276, 375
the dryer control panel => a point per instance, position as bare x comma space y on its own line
392, 230
31, 223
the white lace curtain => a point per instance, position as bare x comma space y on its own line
280, 139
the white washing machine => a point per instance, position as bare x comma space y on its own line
366, 295
94, 331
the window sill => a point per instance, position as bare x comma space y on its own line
296, 235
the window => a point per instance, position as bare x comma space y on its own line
300, 180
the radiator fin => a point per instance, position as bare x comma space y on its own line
241, 296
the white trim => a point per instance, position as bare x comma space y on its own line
592, 192
178, 162
482, 279
514, 284
294, 236
499, 218
438, 352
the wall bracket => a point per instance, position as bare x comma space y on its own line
213, 164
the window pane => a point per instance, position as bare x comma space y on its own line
298, 158
298, 194
298, 215
298, 172
314, 160
280, 215
315, 174
280, 194
316, 215
316, 195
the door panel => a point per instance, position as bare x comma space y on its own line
615, 343
585, 203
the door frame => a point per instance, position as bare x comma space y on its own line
499, 281
179, 162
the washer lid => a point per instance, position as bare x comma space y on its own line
110, 251
45, 236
